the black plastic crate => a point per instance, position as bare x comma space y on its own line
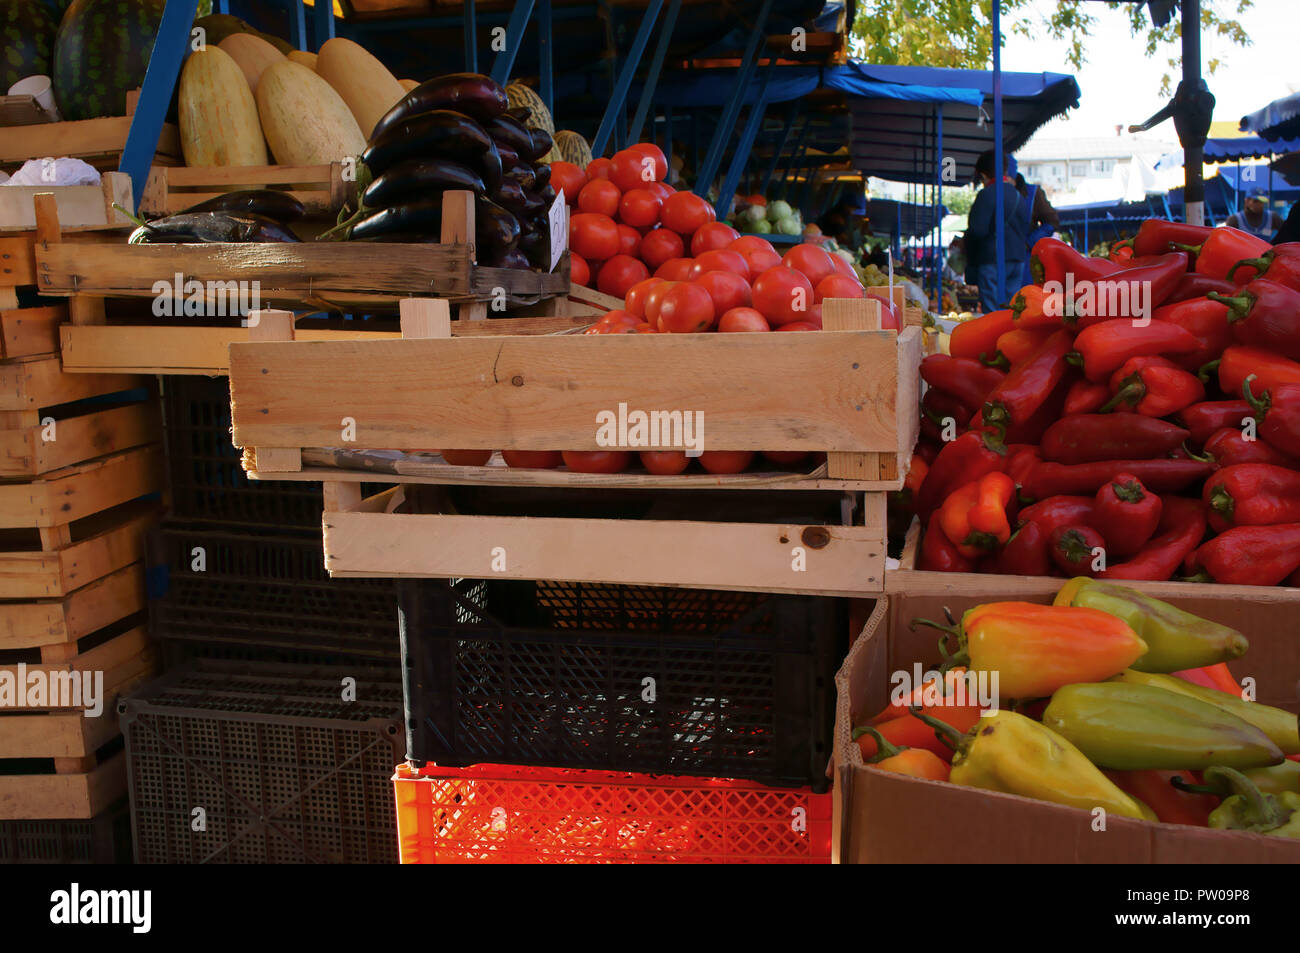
285, 770
554, 674
266, 590
105, 839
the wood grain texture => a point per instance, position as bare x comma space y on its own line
63, 796
59, 734
26, 453
86, 139
747, 556
32, 383
75, 492
28, 332
177, 188
50, 622
542, 393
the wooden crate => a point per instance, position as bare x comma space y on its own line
30, 383
33, 443
79, 205
30, 332
53, 501
55, 626
320, 188
97, 141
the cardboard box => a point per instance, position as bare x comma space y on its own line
887, 818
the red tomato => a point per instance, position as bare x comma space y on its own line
812, 260
601, 197
644, 328
596, 461
664, 462
654, 300
842, 267
567, 176
798, 326
632, 170
686, 308
758, 253
711, 236
593, 236
640, 208
634, 300
743, 319
783, 295
629, 241
599, 169
815, 316
619, 274
719, 259
661, 245
685, 213
466, 458
579, 270
838, 286
727, 289
655, 153
619, 316
661, 189
726, 461
675, 269
532, 459
784, 458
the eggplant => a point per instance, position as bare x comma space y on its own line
271, 203
189, 227
442, 134
508, 156
511, 259
422, 217
534, 207
511, 196
417, 178
496, 231
542, 143
541, 176
521, 113
522, 175
535, 244
511, 133
472, 94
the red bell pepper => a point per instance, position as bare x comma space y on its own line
1029, 385
1252, 494
1209, 416
1104, 347
1171, 806
1207, 321
1121, 252
1215, 676
1153, 387
1025, 553
1020, 459
1229, 447
937, 407
974, 516
1266, 315
1075, 549
1192, 285
1052, 259
1278, 414
1181, 529
938, 554
967, 458
1085, 397
962, 377
1089, 437
1126, 514
1058, 511
1020, 345
979, 336
926, 450
1222, 249
1027, 309
1249, 555
1155, 235
1047, 479
1281, 264
1269, 369
1133, 293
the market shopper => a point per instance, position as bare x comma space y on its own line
981, 236
1042, 218
1255, 217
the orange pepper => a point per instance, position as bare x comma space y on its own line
912, 762
1021, 343
1028, 310
978, 337
901, 709
974, 516
911, 732
916, 473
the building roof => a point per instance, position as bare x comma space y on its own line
1103, 147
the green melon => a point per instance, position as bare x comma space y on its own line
520, 95
27, 32
102, 51
573, 148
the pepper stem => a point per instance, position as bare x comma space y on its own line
1000, 362
1203, 457
1131, 392
1262, 812
953, 630
1238, 305
884, 748
1205, 370
1221, 502
1075, 547
1260, 264
945, 732
1074, 358
1130, 491
1190, 249
1260, 405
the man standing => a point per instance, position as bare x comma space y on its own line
981, 237
1255, 217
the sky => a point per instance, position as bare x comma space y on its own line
1120, 84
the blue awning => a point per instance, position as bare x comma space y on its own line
1255, 178
1247, 147
1280, 119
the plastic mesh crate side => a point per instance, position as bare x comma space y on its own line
744, 691
104, 839
513, 814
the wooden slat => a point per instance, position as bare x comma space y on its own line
748, 556
27, 332
39, 575
41, 382
57, 734
76, 492
541, 393
82, 139
26, 452
101, 603
59, 796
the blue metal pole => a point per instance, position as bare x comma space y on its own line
323, 15
515, 30
731, 109
668, 136
170, 48
656, 67
740, 157
298, 24
999, 224
790, 163
624, 82
1086, 246
471, 37
939, 247
791, 114
221, 6
546, 81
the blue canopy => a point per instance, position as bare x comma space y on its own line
1280, 119
905, 219
1247, 147
1255, 178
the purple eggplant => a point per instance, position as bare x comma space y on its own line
542, 143
472, 94
417, 178
496, 231
191, 227
441, 134
420, 217
541, 176
512, 134
274, 204
511, 196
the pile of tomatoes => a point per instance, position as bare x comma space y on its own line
657, 462
678, 269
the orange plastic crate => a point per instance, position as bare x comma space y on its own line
507, 814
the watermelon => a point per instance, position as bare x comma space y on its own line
102, 51
27, 32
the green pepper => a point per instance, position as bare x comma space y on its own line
1131, 727
1247, 808
1281, 778
1281, 726
1176, 640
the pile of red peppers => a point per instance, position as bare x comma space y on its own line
1129, 417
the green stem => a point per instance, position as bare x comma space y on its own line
1260, 264
945, 732
139, 220
1203, 374
1074, 358
1131, 392
884, 748
1129, 492
1238, 305
1202, 457
1260, 405
1190, 249
1221, 502
1202, 576
1000, 362
1263, 812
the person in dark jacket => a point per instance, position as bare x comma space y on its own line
981, 237
1290, 230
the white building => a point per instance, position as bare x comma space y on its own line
1069, 167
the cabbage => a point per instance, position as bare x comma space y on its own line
778, 210
752, 215
787, 226
762, 227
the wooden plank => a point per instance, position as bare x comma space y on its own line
41, 382
82, 139
101, 603
17, 260
539, 393
66, 495
762, 557
78, 205
27, 332
26, 452
272, 325
62, 796
176, 188
847, 314
56, 734
117, 654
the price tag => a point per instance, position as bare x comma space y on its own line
559, 229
